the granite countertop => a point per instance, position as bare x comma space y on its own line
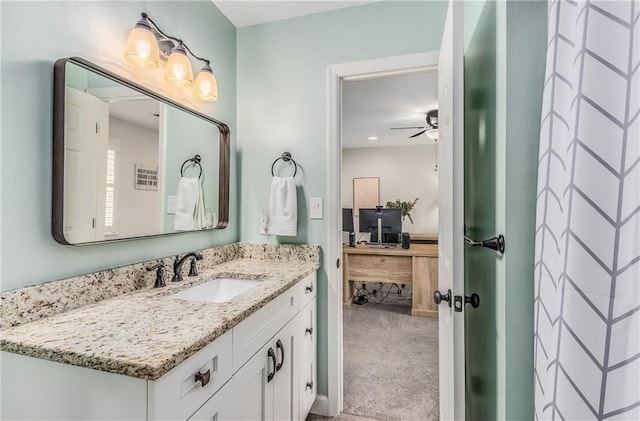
145, 334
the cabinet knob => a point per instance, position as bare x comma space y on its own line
308, 330
309, 288
203, 378
309, 386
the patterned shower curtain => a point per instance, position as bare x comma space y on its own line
587, 272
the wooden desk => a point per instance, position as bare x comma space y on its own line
417, 266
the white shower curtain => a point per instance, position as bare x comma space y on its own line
587, 272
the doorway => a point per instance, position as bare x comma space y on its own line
337, 75
390, 328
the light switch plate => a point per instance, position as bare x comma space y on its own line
315, 208
171, 205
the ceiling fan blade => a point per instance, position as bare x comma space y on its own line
418, 134
402, 128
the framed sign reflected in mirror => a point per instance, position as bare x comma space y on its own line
118, 157
366, 193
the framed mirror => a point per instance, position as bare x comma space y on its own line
129, 163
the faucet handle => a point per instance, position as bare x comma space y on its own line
193, 270
159, 272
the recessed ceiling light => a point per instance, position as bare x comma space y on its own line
373, 138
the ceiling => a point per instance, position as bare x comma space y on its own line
247, 13
371, 107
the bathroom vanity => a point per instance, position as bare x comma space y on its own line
152, 354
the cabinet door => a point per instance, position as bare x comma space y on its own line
307, 386
249, 393
285, 396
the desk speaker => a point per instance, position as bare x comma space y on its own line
406, 240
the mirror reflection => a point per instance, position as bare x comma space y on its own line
133, 165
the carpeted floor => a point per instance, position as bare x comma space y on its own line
390, 361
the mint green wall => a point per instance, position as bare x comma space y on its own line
282, 97
180, 125
34, 35
526, 42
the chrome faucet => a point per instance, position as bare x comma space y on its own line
177, 265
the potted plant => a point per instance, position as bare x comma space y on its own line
405, 207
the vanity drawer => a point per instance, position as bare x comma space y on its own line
181, 391
308, 289
251, 335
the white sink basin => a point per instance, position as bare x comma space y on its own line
217, 290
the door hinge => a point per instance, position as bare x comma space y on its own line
338, 264
93, 223
97, 128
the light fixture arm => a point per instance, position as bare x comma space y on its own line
178, 40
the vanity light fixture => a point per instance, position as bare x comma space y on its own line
147, 45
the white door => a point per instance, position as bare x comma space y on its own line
83, 117
451, 231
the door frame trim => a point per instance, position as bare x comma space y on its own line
335, 74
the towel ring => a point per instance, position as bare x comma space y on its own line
193, 161
286, 157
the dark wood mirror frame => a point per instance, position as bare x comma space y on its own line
59, 84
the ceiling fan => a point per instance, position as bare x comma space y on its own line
430, 128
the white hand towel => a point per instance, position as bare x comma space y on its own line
199, 217
283, 206
186, 198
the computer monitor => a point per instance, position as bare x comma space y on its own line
390, 221
347, 220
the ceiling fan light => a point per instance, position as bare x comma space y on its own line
433, 134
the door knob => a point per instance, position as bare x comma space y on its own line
439, 297
473, 299
458, 300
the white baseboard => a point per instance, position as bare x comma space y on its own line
320, 406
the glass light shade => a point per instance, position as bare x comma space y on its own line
178, 70
433, 134
205, 87
142, 47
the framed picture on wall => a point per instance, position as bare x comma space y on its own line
366, 193
146, 177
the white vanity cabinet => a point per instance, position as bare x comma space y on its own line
263, 389
267, 386
261, 369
